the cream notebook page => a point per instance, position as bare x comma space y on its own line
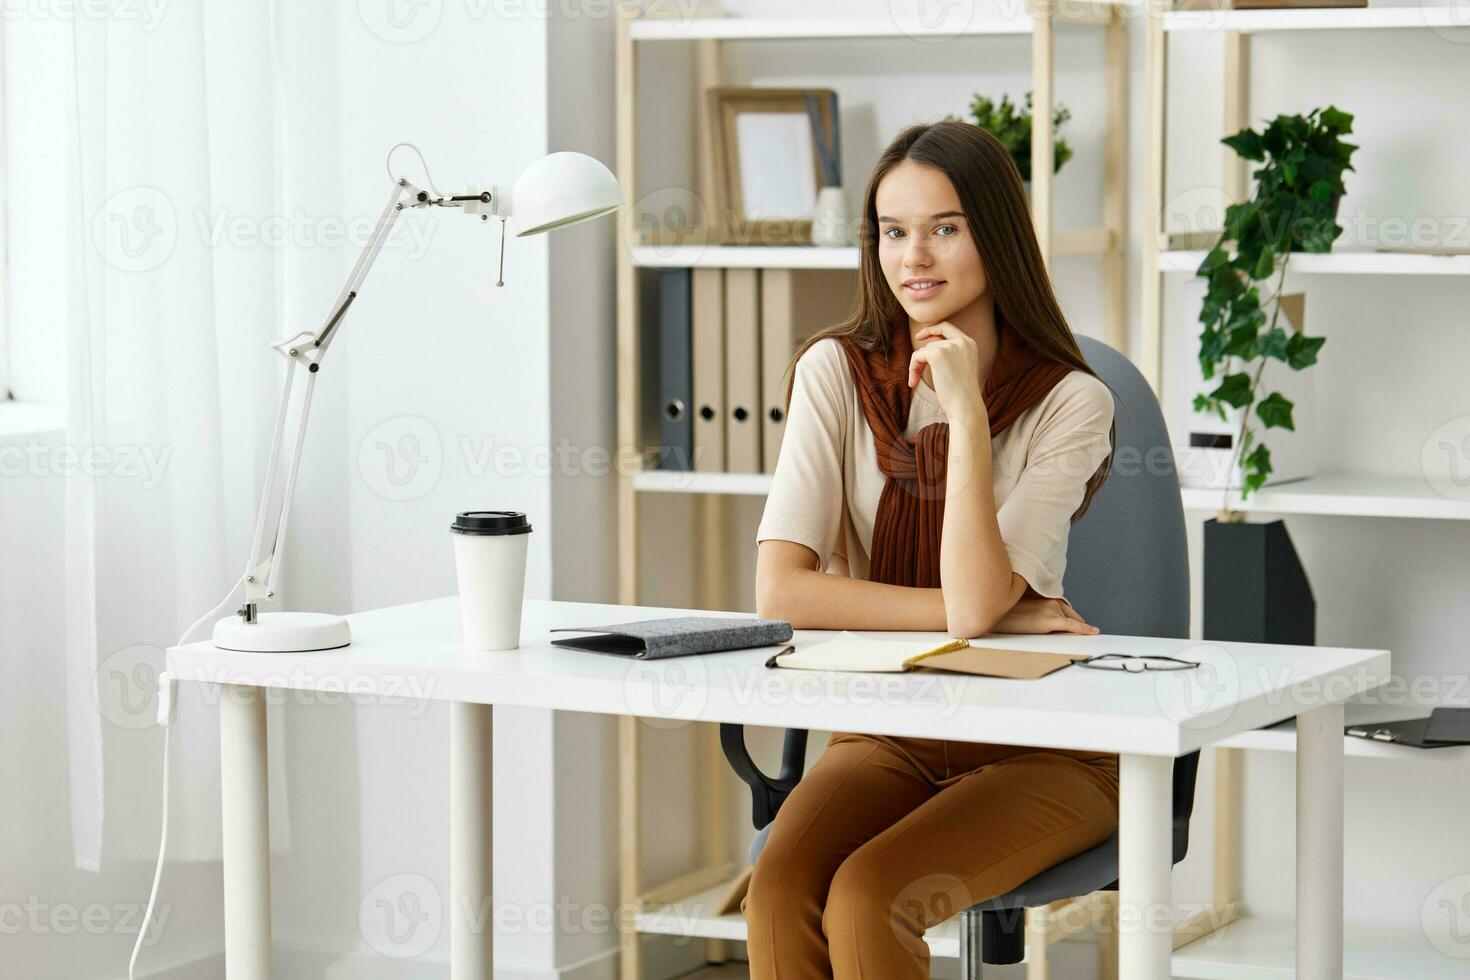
850, 651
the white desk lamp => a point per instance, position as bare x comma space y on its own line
558, 190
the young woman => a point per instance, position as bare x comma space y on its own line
937, 448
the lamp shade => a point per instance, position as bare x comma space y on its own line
562, 189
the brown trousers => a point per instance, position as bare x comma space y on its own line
885, 837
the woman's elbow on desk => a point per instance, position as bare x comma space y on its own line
778, 563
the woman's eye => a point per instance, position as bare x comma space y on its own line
952, 229
889, 232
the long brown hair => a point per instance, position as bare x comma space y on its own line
993, 199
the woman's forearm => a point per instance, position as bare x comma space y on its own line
973, 565
810, 599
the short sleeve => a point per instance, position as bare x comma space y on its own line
1067, 446
806, 499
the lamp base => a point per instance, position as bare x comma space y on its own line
283, 632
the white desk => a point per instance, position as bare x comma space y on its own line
1148, 718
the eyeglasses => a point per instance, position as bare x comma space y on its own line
1135, 664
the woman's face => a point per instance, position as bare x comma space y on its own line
926, 248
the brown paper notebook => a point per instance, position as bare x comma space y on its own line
849, 651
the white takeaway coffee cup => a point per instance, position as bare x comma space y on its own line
490, 559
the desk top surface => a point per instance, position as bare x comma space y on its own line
413, 652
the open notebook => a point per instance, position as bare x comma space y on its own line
850, 651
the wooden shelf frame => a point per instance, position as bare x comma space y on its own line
1107, 242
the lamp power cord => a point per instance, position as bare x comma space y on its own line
167, 688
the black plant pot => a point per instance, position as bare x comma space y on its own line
1255, 589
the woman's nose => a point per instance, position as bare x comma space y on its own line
917, 257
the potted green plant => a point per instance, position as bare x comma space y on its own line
1012, 127
1297, 191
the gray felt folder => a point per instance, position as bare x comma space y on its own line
651, 639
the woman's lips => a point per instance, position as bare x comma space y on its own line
923, 288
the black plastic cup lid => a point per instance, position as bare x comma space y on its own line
490, 522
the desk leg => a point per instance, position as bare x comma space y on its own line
1319, 856
1145, 860
471, 833
245, 825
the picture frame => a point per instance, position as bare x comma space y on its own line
774, 149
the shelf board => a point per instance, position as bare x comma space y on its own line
685, 481
1341, 495
746, 256
1282, 738
1343, 261
805, 28
1325, 19
1265, 949
1081, 241
694, 917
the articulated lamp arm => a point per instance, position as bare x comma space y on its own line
304, 353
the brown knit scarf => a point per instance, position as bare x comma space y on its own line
910, 514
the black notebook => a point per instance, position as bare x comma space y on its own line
652, 639
1449, 725
1409, 732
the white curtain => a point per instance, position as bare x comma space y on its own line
174, 293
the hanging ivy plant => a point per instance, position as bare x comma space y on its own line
1294, 210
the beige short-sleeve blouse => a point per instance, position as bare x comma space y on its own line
824, 493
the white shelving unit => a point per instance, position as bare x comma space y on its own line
816, 28
1345, 496
1265, 949
1341, 496
1373, 18
1343, 261
1089, 241
1233, 944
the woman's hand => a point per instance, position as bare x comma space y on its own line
953, 360
1034, 613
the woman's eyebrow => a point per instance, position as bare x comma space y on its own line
932, 217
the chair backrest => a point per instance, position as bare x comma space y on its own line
1127, 557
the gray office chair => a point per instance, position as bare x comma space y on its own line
1127, 573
